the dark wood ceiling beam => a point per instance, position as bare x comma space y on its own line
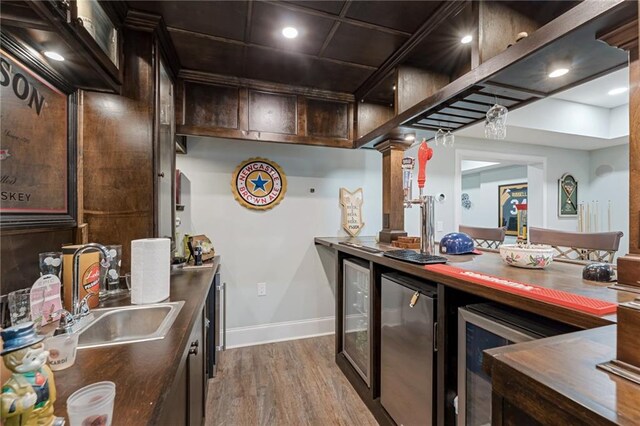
247, 25
268, 86
268, 48
342, 19
444, 11
576, 17
508, 87
334, 28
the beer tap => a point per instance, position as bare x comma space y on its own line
426, 202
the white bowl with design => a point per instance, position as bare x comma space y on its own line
530, 256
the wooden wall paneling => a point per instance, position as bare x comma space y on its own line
19, 267
272, 112
118, 152
392, 192
179, 102
634, 147
498, 26
327, 119
370, 116
302, 115
243, 111
414, 84
211, 106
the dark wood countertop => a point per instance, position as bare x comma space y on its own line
555, 380
563, 276
143, 372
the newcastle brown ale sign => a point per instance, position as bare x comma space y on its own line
33, 142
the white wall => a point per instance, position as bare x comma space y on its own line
609, 181
276, 246
441, 170
482, 188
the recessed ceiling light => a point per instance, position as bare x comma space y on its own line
466, 39
53, 55
558, 72
394, 87
617, 91
410, 137
290, 32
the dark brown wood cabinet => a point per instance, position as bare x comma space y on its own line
196, 375
186, 402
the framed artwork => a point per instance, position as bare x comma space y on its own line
508, 196
37, 143
567, 196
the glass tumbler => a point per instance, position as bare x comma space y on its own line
20, 306
51, 263
113, 273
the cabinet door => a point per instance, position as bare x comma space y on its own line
175, 409
196, 381
165, 157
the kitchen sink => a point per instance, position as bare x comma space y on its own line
130, 324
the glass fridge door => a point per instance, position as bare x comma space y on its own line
355, 338
476, 334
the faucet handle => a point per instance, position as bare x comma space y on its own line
83, 305
65, 323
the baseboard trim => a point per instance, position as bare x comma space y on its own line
239, 337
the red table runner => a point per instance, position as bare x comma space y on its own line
544, 294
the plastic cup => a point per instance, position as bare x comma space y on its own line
62, 350
92, 405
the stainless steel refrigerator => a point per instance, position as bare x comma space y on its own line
407, 380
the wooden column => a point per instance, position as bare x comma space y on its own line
392, 194
626, 37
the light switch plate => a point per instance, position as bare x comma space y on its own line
262, 289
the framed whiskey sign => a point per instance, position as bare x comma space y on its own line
37, 145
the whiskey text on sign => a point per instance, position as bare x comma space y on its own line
259, 184
351, 203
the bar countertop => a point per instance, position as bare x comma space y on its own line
144, 372
557, 380
563, 276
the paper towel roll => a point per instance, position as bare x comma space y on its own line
150, 270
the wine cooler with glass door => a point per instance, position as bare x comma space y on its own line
487, 326
356, 321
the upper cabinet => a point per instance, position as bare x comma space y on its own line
84, 36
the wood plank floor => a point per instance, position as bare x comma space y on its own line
288, 383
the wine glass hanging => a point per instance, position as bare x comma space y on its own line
495, 124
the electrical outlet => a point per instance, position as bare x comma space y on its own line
439, 226
262, 289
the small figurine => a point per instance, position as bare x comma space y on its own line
28, 396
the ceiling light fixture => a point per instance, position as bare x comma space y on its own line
290, 32
394, 87
410, 137
466, 39
559, 71
54, 55
617, 91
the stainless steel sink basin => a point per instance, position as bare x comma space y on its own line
138, 323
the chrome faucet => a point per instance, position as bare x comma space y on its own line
81, 307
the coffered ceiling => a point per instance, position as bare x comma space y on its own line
340, 45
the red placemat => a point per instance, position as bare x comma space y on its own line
544, 294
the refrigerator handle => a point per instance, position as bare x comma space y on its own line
222, 297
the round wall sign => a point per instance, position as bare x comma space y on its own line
258, 184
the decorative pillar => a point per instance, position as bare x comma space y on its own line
392, 194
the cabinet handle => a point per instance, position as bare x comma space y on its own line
161, 174
193, 350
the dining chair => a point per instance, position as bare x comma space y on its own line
594, 246
490, 238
